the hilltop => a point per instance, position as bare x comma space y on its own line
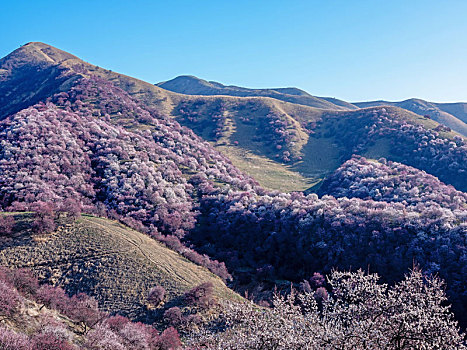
283, 145
308, 142
453, 115
191, 170
191, 85
36, 71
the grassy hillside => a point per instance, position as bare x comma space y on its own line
453, 115
190, 85
53, 70
317, 139
285, 146
459, 109
107, 260
268, 172
330, 138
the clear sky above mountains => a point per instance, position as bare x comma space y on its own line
353, 50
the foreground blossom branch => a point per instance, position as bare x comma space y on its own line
360, 313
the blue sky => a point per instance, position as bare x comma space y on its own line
354, 50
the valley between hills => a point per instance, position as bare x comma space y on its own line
191, 214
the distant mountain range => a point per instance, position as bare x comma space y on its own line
191, 85
277, 185
285, 138
453, 115
305, 124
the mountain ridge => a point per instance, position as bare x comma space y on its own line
191, 85
453, 115
113, 146
234, 125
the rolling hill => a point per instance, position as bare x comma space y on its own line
191, 85
313, 138
459, 109
177, 167
453, 115
314, 142
283, 145
104, 259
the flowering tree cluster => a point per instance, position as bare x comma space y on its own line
69, 156
10, 300
11, 340
22, 279
200, 296
156, 295
409, 143
99, 330
7, 223
96, 96
279, 133
206, 117
91, 161
359, 314
425, 149
120, 334
20, 284
291, 236
44, 217
197, 309
391, 182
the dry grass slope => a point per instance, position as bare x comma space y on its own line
107, 260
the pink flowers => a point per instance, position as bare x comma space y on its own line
357, 312
9, 301
52, 332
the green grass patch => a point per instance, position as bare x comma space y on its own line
270, 174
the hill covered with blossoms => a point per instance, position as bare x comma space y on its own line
78, 139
